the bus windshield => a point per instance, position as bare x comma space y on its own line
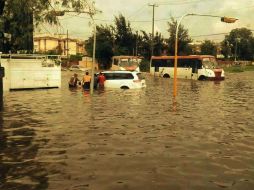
126, 62
209, 63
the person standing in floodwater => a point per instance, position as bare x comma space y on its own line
73, 83
86, 81
101, 80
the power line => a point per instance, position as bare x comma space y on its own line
152, 5
179, 3
203, 35
216, 34
144, 21
136, 12
46, 29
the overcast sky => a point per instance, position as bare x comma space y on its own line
139, 13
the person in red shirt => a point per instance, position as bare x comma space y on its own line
101, 80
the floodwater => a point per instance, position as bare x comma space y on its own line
59, 139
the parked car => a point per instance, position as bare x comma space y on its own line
78, 68
124, 79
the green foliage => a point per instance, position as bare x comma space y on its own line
104, 46
20, 17
124, 38
239, 44
145, 44
51, 52
120, 40
208, 48
239, 68
234, 69
144, 65
183, 39
75, 58
159, 45
249, 68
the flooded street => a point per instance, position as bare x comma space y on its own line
59, 139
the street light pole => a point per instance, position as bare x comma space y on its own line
152, 41
91, 14
236, 41
223, 19
235, 50
176, 49
93, 63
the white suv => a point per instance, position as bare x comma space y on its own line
124, 79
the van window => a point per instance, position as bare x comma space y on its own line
118, 76
109, 76
121, 76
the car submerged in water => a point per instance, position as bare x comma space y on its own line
124, 79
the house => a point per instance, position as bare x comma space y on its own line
58, 44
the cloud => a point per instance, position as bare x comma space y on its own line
140, 15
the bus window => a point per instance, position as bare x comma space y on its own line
196, 65
182, 63
199, 64
159, 63
170, 63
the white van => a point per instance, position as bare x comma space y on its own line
124, 79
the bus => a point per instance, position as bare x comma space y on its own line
126, 62
198, 67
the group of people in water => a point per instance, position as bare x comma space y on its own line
99, 80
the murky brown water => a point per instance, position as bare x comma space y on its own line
130, 139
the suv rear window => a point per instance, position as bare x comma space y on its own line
118, 76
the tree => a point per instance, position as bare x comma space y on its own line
124, 38
208, 48
145, 44
159, 45
104, 46
183, 39
240, 42
20, 17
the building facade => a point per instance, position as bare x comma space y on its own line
58, 44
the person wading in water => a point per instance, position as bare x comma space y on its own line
86, 81
101, 80
74, 81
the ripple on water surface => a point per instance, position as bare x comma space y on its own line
130, 139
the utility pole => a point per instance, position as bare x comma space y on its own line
67, 47
136, 43
1, 84
152, 42
91, 12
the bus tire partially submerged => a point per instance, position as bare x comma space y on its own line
166, 76
197, 67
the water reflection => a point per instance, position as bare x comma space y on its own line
130, 139
18, 165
